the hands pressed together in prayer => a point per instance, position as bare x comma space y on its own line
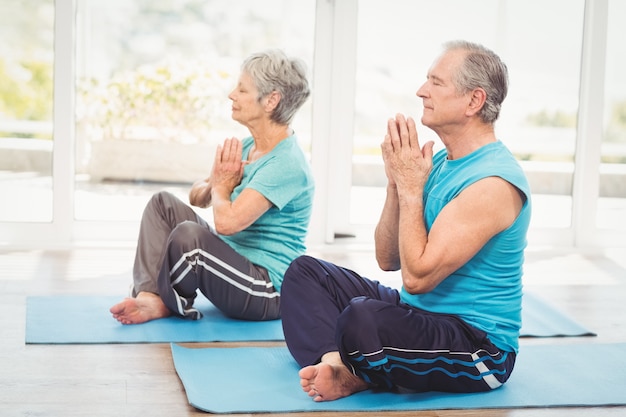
228, 166
407, 165
227, 172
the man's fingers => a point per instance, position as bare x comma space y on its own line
401, 133
403, 130
393, 135
412, 133
427, 151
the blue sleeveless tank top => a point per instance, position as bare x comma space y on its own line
487, 291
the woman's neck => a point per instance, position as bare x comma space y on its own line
266, 138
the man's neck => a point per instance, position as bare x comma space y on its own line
461, 143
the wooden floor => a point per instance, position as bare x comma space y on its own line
140, 380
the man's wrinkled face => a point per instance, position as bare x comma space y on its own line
443, 104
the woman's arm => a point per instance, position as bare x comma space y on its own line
200, 193
229, 216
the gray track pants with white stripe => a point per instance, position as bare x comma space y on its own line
178, 253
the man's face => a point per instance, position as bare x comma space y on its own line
444, 107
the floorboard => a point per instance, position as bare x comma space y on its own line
139, 379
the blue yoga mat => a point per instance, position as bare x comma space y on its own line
265, 380
86, 319
540, 319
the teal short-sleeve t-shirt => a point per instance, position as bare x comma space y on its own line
284, 177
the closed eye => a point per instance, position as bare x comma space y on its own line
435, 80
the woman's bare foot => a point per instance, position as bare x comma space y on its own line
145, 307
330, 379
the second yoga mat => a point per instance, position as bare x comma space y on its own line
86, 319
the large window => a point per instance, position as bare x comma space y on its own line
26, 61
612, 188
102, 103
152, 86
539, 116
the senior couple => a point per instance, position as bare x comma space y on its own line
454, 223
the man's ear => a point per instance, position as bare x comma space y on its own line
477, 101
272, 100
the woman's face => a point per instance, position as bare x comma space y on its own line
246, 107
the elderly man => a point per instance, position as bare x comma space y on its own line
455, 225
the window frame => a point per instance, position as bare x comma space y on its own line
331, 154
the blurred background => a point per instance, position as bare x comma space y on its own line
103, 103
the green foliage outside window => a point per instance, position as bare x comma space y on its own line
170, 102
617, 124
557, 118
25, 92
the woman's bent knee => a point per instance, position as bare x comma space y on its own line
162, 198
189, 234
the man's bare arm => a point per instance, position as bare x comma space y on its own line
461, 229
407, 167
386, 233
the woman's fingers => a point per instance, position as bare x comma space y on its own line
226, 151
218, 155
238, 149
231, 150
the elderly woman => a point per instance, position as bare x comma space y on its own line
261, 193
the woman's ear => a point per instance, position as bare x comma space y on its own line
272, 100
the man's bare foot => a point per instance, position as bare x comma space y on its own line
330, 380
145, 307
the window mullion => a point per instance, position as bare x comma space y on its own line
589, 133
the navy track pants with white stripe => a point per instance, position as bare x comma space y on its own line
387, 343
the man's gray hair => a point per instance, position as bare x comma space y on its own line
271, 71
482, 68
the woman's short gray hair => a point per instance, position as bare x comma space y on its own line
271, 71
482, 68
